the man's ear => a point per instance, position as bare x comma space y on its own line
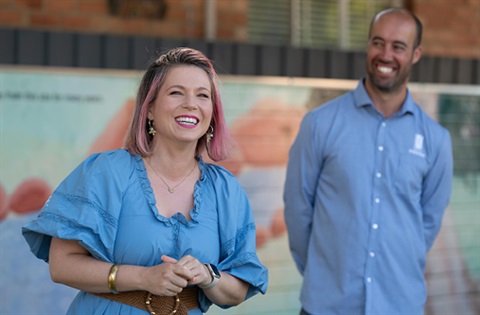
417, 53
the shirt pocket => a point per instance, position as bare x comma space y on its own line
410, 172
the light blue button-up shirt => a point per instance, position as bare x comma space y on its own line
364, 200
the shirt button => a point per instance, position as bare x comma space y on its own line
384, 124
380, 148
378, 175
372, 254
377, 200
375, 226
369, 279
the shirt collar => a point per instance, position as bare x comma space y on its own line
361, 99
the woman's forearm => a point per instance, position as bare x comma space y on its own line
72, 265
229, 291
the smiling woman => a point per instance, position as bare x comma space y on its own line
153, 227
182, 109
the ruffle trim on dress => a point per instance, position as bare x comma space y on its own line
146, 186
148, 192
255, 270
80, 201
198, 191
76, 231
242, 259
229, 246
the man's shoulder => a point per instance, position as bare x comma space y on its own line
427, 121
342, 102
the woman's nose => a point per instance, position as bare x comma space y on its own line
190, 103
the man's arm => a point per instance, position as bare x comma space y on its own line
437, 188
301, 181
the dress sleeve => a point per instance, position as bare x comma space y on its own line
85, 207
237, 234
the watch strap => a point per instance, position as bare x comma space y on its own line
215, 277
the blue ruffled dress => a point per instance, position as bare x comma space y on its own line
107, 204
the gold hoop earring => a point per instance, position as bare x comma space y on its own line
151, 130
209, 134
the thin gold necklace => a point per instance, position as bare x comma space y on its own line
171, 189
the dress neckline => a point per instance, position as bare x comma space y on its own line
149, 195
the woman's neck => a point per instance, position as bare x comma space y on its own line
172, 162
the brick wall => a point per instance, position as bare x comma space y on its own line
182, 19
451, 26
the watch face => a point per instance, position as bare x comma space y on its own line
216, 273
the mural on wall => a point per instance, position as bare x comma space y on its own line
51, 121
48, 123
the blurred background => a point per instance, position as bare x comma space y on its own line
69, 70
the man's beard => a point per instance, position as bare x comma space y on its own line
392, 85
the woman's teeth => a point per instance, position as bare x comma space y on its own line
187, 120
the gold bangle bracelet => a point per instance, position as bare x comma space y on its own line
112, 278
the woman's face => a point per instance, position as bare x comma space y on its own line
182, 110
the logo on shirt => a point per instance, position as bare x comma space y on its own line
417, 146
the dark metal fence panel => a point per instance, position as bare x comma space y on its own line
89, 51
476, 78
31, 47
446, 70
222, 53
143, 51
271, 60
61, 50
339, 65
425, 70
294, 63
245, 59
464, 71
109, 51
316, 63
358, 67
118, 52
8, 46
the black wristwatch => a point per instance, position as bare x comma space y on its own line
215, 276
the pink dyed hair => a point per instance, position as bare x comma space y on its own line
138, 141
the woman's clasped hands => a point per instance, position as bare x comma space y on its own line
171, 277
